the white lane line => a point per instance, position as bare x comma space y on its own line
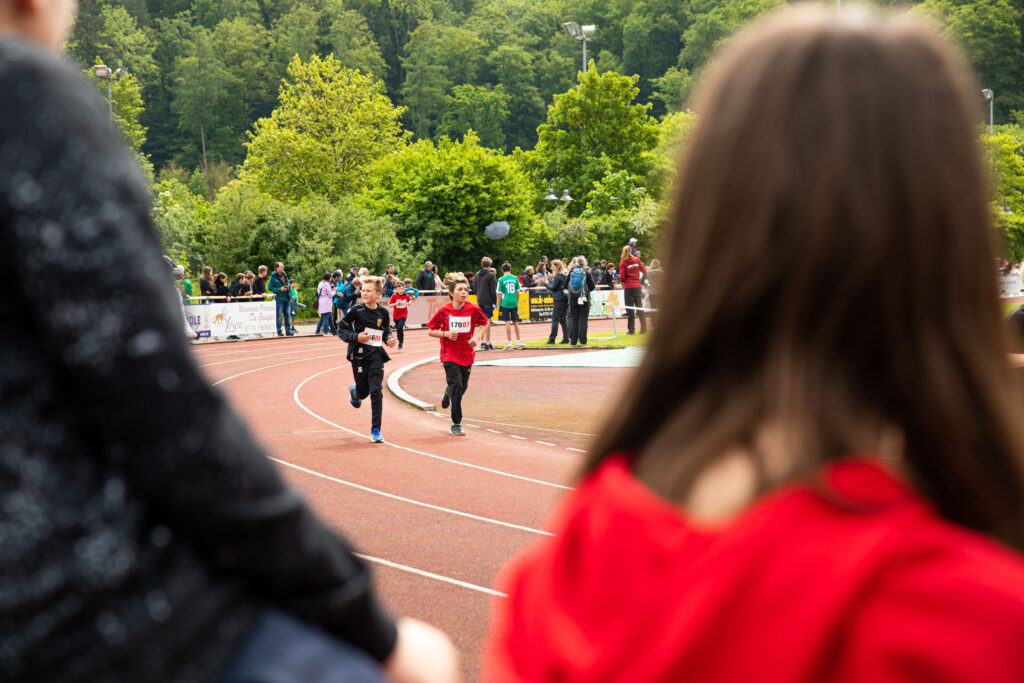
544, 443
431, 575
493, 431
474, 426
410, 501
577, 450
298, 402
521, 438
267, 367
242, 360
541, 429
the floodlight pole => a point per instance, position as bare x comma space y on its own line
990, 96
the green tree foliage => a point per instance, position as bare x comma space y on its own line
442, 197
511, 67
354, 46
482, 109
330, 125
1003, 153
592, 131
711, 28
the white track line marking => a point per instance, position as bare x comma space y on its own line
577, 450
267, 367
410, 501
430, 575
542, 429
521, 438
242, 360
295, 397
544, 443
493, 431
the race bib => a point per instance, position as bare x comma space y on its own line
401, 303
460, 324
376, 337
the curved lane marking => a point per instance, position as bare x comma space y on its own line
298, 401
403, 499
431, 575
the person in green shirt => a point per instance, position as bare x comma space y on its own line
508, 310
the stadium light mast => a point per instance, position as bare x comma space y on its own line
990, 96
582, 34
104, 72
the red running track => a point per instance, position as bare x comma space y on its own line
436, 515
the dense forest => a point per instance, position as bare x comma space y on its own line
275, 127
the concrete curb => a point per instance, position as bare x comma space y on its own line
401, 394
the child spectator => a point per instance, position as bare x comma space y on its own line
399, 303
459, 325
259, 284
508, 311
409, 289
206, 286
367, 329
293, 301
324, 294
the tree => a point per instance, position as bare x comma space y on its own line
511, 66
710, 29
444, 196
330, 125
354, 46
200, 89
295, 34
482, 109
121, 43
594, 130
1003, 153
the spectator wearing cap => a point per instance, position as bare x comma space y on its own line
353, 273
633, 248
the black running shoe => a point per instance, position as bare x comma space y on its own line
445, 401
457, 430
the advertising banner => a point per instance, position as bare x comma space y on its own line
223, 320
542, 304
1009, 285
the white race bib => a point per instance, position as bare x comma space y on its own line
460, 324
376, 337
401, 303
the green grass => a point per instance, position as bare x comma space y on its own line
620, 342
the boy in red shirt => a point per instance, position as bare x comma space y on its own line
399, 303
459, 325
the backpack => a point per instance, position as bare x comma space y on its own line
578, 283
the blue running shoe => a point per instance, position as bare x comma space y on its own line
352, 397
375, 436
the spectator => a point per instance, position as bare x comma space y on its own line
868, 458
250, 279
633, 250
543, 264
486, 297
409, 289
353, 273
186, 284
350, 295
145, 534
259, 284
597, 272
654, 276
206, 285
293, 302
239, 287
220, 288
471, 279
279, 287
338, 282
390, 278
579, 285
178, 273
542, 274
558, 286
607, 275
632, 272
324, 295
425, 278
527, 279
438, 282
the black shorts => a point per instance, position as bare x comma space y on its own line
511, 314
488, 310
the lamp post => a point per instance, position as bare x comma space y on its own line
988, 95
104, 72
552, 195
582, 34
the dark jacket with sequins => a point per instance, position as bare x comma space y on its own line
141, 527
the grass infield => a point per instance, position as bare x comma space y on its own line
621, 341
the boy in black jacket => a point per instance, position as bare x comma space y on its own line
367, 328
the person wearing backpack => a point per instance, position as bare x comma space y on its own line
580, 285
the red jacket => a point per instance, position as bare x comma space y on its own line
868, 585
630, 272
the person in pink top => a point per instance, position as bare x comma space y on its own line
631, 274
815, 478
324, 296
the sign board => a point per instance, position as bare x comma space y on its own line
542, 305
1009, 285
223, 319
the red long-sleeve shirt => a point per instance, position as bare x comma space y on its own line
630, 272
868, 585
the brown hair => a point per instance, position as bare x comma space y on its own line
833, 146
557, 266
207, 274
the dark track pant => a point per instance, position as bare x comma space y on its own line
400, 329
558, 317
369, 377
635, 299
578, 320
457, 377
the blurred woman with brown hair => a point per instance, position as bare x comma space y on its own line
825, 482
